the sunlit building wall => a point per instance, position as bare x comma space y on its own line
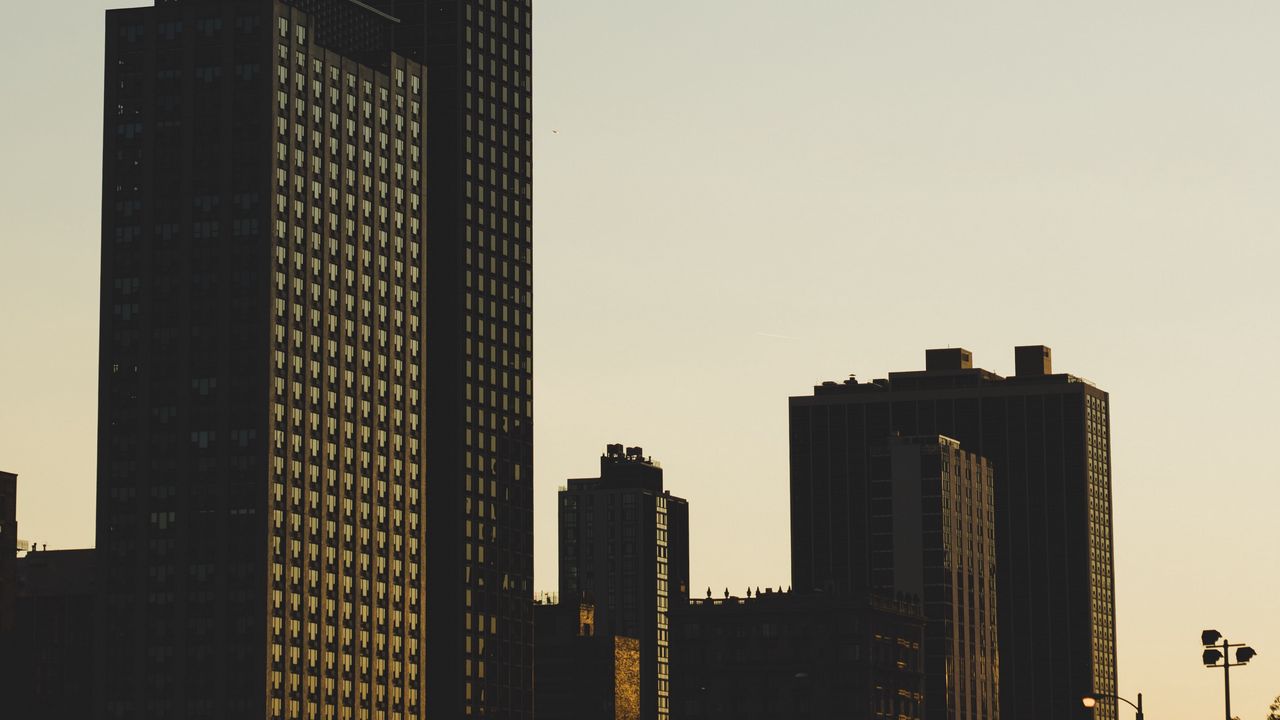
933, 539
581, 672
262, 501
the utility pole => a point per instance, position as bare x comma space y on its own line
1244, 653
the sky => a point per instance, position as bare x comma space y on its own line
738, 199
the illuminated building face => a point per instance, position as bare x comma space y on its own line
347, 516
262, 476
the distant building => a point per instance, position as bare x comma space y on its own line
580, 673
624, 541
1047, 439
8, 553
932, 538
814, 656
8, 576
53, 637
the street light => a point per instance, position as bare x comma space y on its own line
1211, 656
1091, 701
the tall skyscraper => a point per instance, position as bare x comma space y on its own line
480, 335
1047, 438
933, 539
278, 313
624, 542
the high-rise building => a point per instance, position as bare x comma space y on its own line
624, 542
801, 656
280, 308
933, 539
1047, 439
480, 335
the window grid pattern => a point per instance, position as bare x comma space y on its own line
346, 503
1101, 562
496, 109
182, 418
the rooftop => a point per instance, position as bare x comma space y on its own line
953, 368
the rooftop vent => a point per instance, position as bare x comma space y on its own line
1032, 360
948, 359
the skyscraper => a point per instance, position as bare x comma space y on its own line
277, 315
480, 335
933, 539
624, 542
1047, 438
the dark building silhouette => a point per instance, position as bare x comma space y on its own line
8, 557
580, 672
53, 637
1047, 439
933, 538
816, 656
8, 577
624, 541
279, 310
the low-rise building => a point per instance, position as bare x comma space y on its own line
53, 636
799, 656
580, 673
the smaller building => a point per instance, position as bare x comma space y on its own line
578, 673
817, 656
53, 636
624, 542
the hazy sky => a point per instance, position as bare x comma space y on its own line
736, 199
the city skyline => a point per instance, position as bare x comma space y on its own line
1139, 171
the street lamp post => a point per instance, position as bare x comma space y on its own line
1091, 701
1244, 653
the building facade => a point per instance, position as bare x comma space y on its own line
8, 552
1047, 439
816, 656
479, 321
8, 576
265, 513
51, 645
581, 672
933, 539
624, 541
